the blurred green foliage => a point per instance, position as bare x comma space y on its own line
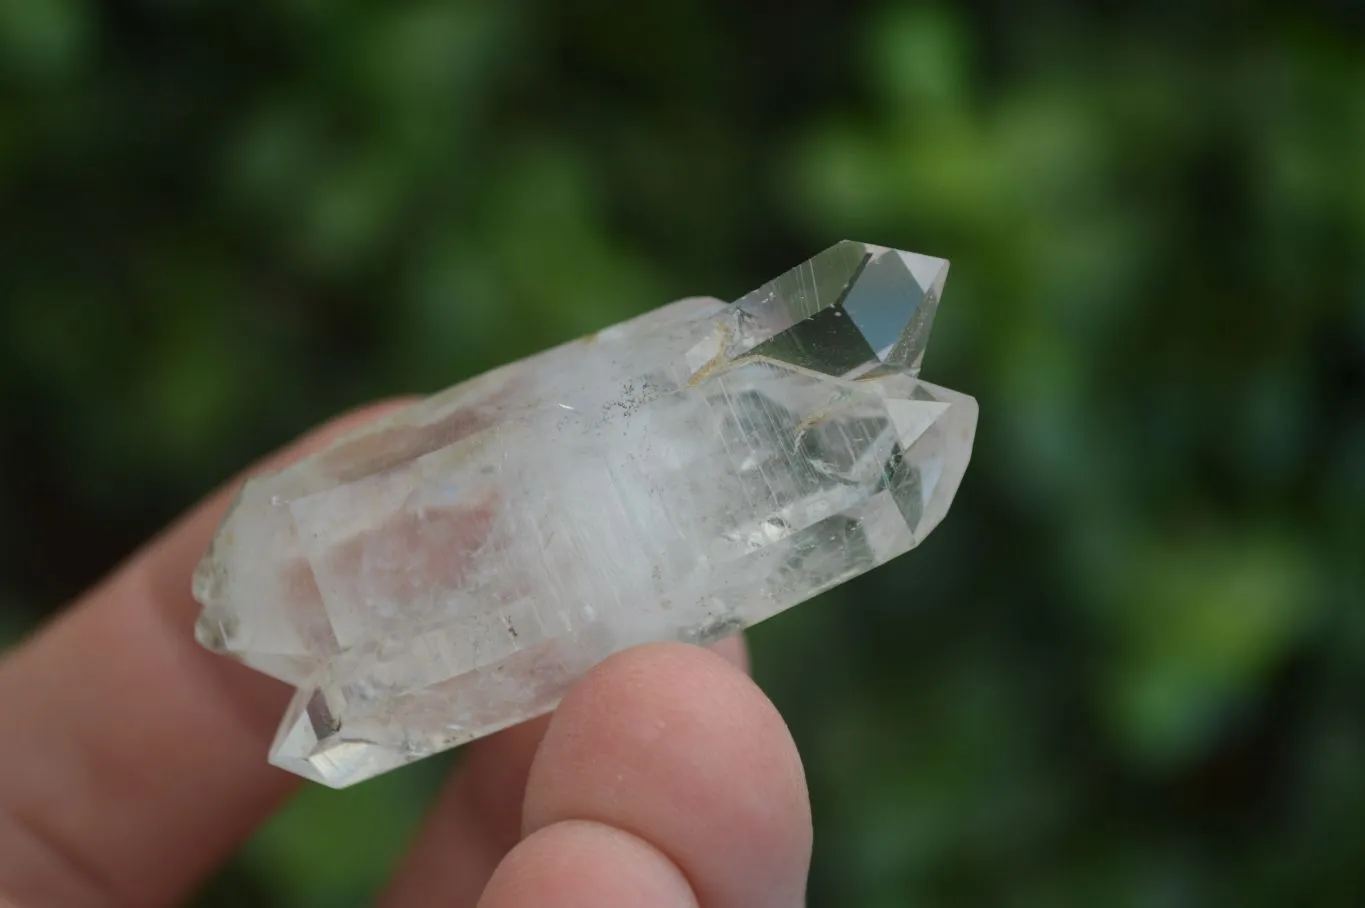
1130, 668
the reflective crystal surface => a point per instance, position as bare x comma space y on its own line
452, 569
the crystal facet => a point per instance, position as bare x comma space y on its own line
450, 570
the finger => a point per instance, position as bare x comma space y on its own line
476, 820
577, 864
134, 759
672, 745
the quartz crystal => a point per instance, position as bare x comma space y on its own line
452, 569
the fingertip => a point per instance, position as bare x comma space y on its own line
579, 864
675, 745
477, 819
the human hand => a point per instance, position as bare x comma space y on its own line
132, 762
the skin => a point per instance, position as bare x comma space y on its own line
132, 763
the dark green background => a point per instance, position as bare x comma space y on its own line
1129, 670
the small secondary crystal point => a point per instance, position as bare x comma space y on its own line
453, 568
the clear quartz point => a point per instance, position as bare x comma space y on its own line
453, 568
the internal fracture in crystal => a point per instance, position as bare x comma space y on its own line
452, 569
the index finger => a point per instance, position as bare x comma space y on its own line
133, 759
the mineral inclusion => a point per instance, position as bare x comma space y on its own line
452, 569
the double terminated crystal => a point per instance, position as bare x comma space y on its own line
453, 569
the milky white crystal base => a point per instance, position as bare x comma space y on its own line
453, 569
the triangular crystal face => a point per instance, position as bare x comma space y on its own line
311, 743
852, 308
